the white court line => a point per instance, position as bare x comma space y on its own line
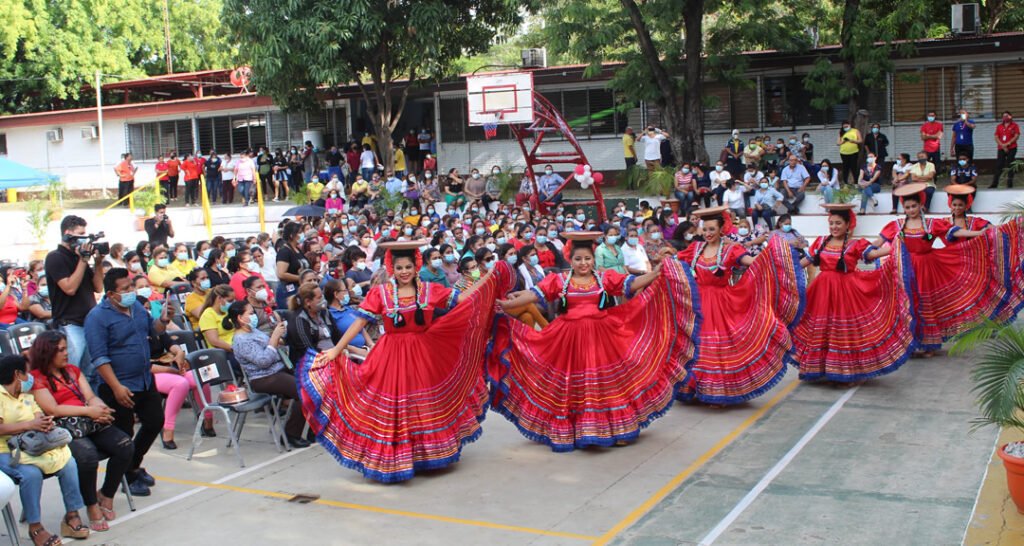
752, 495
977, 498
195, 490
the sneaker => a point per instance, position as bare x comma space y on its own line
138, 489
145, 478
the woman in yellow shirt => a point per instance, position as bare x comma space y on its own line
182, 264
200, 280
20, 413
211, 319
849, 142
161, 274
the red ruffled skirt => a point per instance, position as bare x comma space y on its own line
744, 337
597, 377
857, 325
1009, 268
957, 288
417, 398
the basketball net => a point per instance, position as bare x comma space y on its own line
491, 127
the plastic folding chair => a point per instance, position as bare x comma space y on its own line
7, 490
6, 345
275, 402
211, 368
22, 335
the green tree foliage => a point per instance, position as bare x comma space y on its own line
296, 46
669, 47
49, 50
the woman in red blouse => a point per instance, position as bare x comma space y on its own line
62, 392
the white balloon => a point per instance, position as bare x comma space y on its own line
586, 168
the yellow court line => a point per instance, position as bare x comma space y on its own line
679, 478
472, 522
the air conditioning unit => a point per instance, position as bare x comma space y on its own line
90, 132
965, 19
534, 58
55, 135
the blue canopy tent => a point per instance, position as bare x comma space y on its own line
16, 175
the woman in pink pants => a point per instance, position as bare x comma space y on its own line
176, 383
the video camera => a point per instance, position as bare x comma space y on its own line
76, 242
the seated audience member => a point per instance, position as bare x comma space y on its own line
200, 281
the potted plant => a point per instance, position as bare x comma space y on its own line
507, 182
661, 181
998, 375
55, 188
386, 201
146, 201
632, 177
39, 218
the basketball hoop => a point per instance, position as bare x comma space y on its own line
491, 126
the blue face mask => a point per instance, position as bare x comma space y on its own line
345, 299
302, 239
581, 217
161, 262
512, 259
611, 239
787, 228
44, 291
408, 231
26, 385
743, 232
542, 239
224, 308
534, 260
718, 168
931, 118
686, 171
449, 258
435, 263
764, 185
962, 162
560, 218
874, 130
480, 231
127, 300
206, 253
633, 241
253, 321
552, 234
182, 256
501, 240
230, 253
144, 292
204, 284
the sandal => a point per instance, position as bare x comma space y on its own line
99, 526
78, 530
108, 513
53, 539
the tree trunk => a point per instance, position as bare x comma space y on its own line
691, 131
851, 10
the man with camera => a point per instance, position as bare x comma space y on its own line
74, 283
159, 227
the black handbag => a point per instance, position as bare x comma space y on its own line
79, 426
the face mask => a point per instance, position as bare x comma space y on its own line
541, 239
253, 321
224, 308
512, 259
501, 240
655, 236
204, 284
435, 263
496, 171
357, 290
127, 300
548, 172
874, 130
339, 240
551, 235
476, 175
479, 231
345, 299
261, 294
735, 135
923, 160
611, 239
764, 185
633, 241
787, 228
581, 217
408, 231
135, 266
846, 127
807, 139
474, 274
44, 291
962, 162
560, 218
718, 168
534, 259
144, 292
491, 246
449, 258
360, 266
527, 236
792, 141
231, 253
686, 171
871, 160
744, 232
206, 253
162, 262
182, 256
302, 239
931, 118
26, 385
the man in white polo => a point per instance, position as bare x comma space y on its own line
651, 141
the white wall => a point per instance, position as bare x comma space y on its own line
75, 160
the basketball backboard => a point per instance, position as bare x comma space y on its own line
500, 98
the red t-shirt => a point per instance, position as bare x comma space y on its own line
1004, 133
172, 167
162, 170
62, 392
411, 141
191, 169
9, 311
430, 164
352, 158
931, 128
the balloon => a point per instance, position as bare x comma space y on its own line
586, 168
579, 169
598, 177
585, 183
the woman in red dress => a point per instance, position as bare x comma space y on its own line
858, 324
744, 338
600, 372
955, 287
961, 197
421, 392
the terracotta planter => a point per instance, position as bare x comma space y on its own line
674, 203
39, 254
140, 222
1014, 476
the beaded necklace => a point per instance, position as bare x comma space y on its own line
699, 253
396, 313
926, 225
598, 277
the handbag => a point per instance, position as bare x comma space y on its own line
79, 426
36, 443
